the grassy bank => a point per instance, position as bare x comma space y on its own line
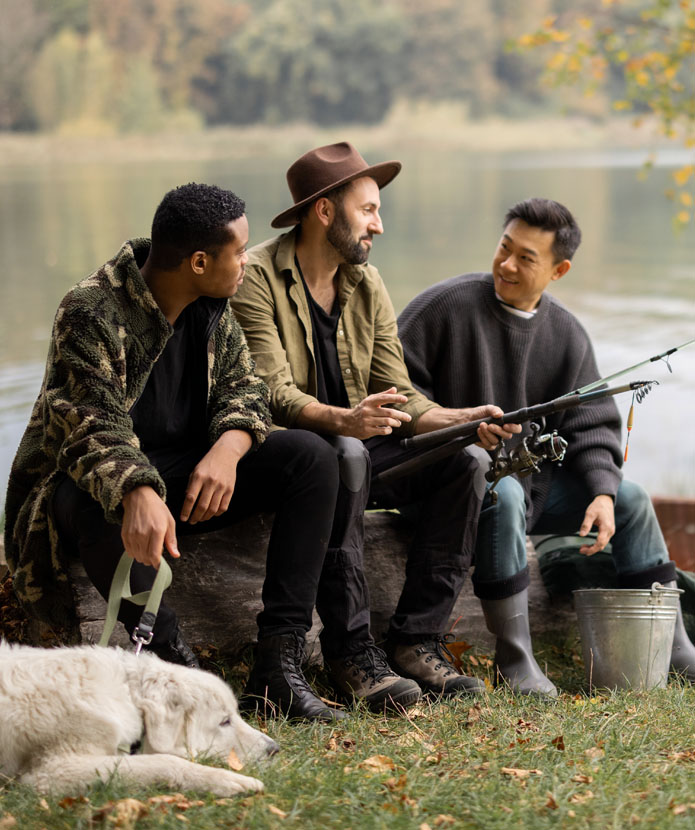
406, 128
617, 760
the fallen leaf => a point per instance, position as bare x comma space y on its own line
506, 809
571, 813
43, 804
408, 801
520, 773
396, 783
424, 826
473, 715
535, 748
181, 817
559, 743
377, 763
551, 803
233, 761
679, 809
457, 649
444, 819
582, 779
127, 811
594, 753
7, 821
686, 755
276, 811
580, 798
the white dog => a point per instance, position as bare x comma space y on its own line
71, 715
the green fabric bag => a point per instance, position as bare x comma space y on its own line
564, 569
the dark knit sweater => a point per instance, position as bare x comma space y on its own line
463, 349
107, 334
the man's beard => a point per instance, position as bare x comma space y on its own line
339, 234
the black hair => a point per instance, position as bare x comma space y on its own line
193, 217
549, 216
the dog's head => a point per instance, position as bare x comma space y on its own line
188, 712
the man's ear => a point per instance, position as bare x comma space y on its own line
560, 269
199, 262
324, 210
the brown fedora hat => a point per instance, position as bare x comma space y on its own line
324, 169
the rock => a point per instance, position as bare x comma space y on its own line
216, 588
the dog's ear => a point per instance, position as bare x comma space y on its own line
165, 705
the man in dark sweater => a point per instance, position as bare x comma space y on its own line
502, 337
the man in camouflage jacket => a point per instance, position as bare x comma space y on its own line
129, 431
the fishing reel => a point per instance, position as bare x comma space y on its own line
527, 456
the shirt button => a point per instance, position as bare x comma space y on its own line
348, 372
340, 332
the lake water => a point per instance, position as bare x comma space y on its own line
632, 282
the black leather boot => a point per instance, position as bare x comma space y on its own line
175, 650
277, 684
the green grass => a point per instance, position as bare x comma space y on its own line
618, 760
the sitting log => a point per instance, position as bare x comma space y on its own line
216, 588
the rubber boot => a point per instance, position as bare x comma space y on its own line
515, 664
683, 651
277, 684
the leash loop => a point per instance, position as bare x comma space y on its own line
120, 589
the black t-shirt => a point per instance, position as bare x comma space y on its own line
171, 412
329, 379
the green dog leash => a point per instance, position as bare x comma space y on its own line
120, 589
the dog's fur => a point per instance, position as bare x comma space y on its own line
71, 715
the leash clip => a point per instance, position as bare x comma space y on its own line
140, 641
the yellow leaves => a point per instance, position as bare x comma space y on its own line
585, 22
682, 175
622, 105
560, 36
686, 199
557, 61
642, 78
683, 217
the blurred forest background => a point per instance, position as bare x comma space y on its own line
100, 67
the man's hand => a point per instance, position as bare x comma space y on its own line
489, 434
148, 527
601, 514
211, 484
372, 416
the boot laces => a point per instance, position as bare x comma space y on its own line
293, 651
372, 662
436, 648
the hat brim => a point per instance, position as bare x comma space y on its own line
381, 173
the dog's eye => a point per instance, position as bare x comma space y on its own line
226, 722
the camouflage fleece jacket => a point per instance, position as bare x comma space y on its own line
107, 334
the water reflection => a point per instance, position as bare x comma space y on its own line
631, 283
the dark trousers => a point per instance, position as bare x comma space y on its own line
293, 473
343, 596
444, 500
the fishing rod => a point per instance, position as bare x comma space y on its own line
432, 446
601, 382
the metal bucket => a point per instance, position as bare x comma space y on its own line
627, 635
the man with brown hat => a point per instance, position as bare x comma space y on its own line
323, 333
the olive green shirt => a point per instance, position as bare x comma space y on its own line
272, 307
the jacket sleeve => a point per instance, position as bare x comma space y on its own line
255, 310
238, 398
86, 414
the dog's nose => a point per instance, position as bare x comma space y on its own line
272, 748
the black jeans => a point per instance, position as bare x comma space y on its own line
343, 596
293, 473
444, 500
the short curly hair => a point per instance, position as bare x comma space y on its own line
193, 217
549, 216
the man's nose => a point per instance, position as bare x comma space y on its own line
375, 224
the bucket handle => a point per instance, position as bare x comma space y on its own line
658, 592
